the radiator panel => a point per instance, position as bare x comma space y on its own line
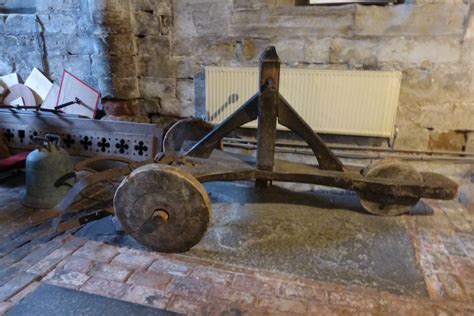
360, 103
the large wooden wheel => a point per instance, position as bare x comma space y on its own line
184, 133
386, 205
163, 208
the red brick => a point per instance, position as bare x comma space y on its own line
331, 310
96, 251
212, 275
174, 267
187, 286
147, 296
302, 291
134, 260
77, 264
150, 279
109, 272
297, 306
354, 300
186, 305
256, 285
105, 288
49, 262
65, 278
218, 307
233, 295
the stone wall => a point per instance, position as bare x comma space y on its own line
145, 54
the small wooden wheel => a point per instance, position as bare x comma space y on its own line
182, 134
163, 208
386, 205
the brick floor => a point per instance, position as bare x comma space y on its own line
29, 256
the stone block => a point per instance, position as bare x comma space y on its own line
438, 83
162, 7
424, 19
56, 44
113, 22
80, 45
171, 107
214, 276
19, 24
109, 5
185, 90
400, 50
158, 88
9, 44
293, 22
297, 306
317, 50
115, 45
192, 19
120, 108
59, 23
153, 45
79, 65
206, 50
433, 115
118, 67
150, 279
189, 286
161, 66
24, 65
6, 66
173, 267
107, 288
110, 272
147, 296
120, 88
450, 141
470, 143
77, 264
146, 23
411, 137
47, 6
133, 260
253, 47
66, 278
188, 304
96, 251
249, 5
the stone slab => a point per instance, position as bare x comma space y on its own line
52, 300
320, 236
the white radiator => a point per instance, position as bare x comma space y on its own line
331, 101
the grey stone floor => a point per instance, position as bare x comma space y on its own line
323, 235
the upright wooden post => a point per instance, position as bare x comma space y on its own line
268, 99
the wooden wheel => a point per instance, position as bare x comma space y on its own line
182, 134
386, 205
163, 208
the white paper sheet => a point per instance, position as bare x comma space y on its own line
18, 101
40, 85
9, 80
72, 88
51, 99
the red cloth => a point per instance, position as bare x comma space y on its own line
14, 161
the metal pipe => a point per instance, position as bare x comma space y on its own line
379, 155
355, 147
